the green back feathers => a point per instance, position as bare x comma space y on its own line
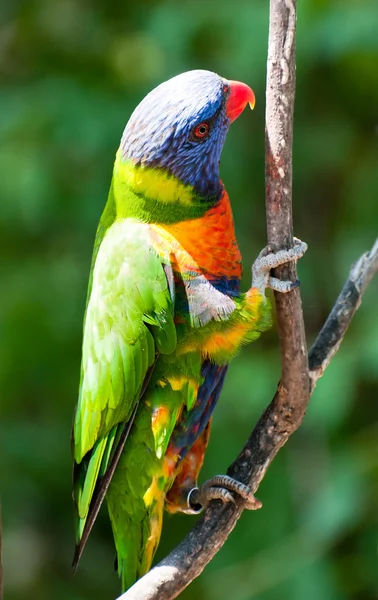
129, 319
129, 291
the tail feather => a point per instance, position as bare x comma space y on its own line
136, 541
86, 523
101, 470
135, 501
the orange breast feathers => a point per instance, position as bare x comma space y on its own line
206, 245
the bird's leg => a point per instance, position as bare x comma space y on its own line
221, 487
176, 499
269, 259
185, 496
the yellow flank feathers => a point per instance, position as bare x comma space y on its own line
161, 383
152, 182
178, 383
227, 342
153, 492
160, 419
156, 523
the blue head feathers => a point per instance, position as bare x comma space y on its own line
181, 126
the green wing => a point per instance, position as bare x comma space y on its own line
128, 322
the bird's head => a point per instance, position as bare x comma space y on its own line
180, 128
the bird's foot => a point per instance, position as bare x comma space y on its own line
269, 259
221, 487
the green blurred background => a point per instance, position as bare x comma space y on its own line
71, 73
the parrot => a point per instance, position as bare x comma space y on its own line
163, 319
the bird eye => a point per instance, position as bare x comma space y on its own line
201, 130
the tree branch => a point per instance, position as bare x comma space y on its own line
294, 389
285, 413
330, 337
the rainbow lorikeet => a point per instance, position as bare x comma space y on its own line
164, 317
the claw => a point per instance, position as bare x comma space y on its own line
221, 487
295, 284
269, 259
194, 507
283, 286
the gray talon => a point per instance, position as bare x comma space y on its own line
268, 259
194, 507
280, 285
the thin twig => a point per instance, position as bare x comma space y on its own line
334, 329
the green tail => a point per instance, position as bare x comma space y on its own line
135, 500
90, 479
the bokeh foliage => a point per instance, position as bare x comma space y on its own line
71, 73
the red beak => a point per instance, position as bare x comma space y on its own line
240, 95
